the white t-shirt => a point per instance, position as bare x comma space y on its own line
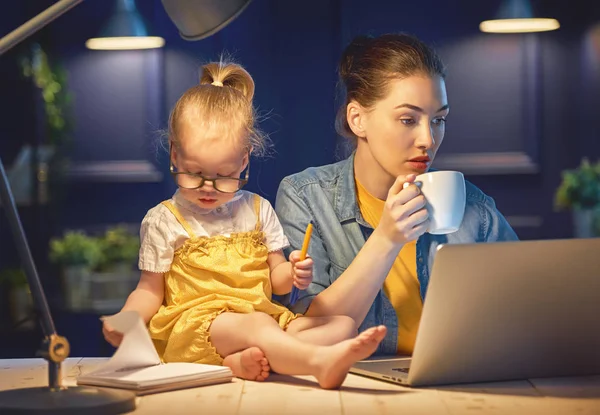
161, 234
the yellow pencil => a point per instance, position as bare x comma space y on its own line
295, 290
307, 235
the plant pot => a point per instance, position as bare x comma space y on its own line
21, 307
109, 290
21, 176
583, 223
76, 287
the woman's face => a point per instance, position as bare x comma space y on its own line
403, 131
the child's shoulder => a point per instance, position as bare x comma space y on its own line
246, 196
156, 215
249, 198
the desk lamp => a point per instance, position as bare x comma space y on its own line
195, 20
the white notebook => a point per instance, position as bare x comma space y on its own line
136, 365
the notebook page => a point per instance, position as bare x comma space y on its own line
136, 350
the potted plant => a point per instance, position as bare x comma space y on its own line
120, 249
77, 254
51, 81
114, 277
579, 191
19, 297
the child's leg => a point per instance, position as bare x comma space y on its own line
252, 364
232, 332
323, 331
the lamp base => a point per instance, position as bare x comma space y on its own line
74, 400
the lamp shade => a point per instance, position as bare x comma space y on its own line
517, 16
55, 397
125, 30
197, 19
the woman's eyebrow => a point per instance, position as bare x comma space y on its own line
419, 109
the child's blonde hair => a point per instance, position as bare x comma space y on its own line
223, 98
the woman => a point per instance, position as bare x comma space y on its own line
372, 255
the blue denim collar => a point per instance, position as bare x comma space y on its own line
346, 205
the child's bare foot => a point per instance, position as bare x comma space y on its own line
333, 365
250, 364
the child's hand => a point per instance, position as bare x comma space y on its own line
302, 271
111, 335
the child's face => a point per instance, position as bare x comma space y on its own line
212, 157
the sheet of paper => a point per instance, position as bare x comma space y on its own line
136, 350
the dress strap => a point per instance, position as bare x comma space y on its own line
257, 211
179, 218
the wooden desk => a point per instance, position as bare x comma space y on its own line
300, 395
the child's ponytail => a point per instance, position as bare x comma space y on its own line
228, 75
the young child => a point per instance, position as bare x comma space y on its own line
212, 256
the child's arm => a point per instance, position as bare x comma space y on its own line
148, 296
284, 274
146, 299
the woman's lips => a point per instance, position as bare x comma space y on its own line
419, 165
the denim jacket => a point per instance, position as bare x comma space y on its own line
326, 196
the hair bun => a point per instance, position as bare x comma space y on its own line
352, 53
228, 74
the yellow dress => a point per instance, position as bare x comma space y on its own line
209, 276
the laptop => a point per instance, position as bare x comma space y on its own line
504, 311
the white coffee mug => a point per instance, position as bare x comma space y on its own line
445, 194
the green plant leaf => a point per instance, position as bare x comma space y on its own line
579, 188
51, 80
76, 248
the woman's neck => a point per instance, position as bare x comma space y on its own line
371, 174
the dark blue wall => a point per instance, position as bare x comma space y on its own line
524, 94
291, 49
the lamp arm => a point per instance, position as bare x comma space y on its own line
36, 23
54, 348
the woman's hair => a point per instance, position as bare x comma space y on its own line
223, 98
369, 63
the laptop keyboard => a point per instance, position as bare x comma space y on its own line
401, 369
